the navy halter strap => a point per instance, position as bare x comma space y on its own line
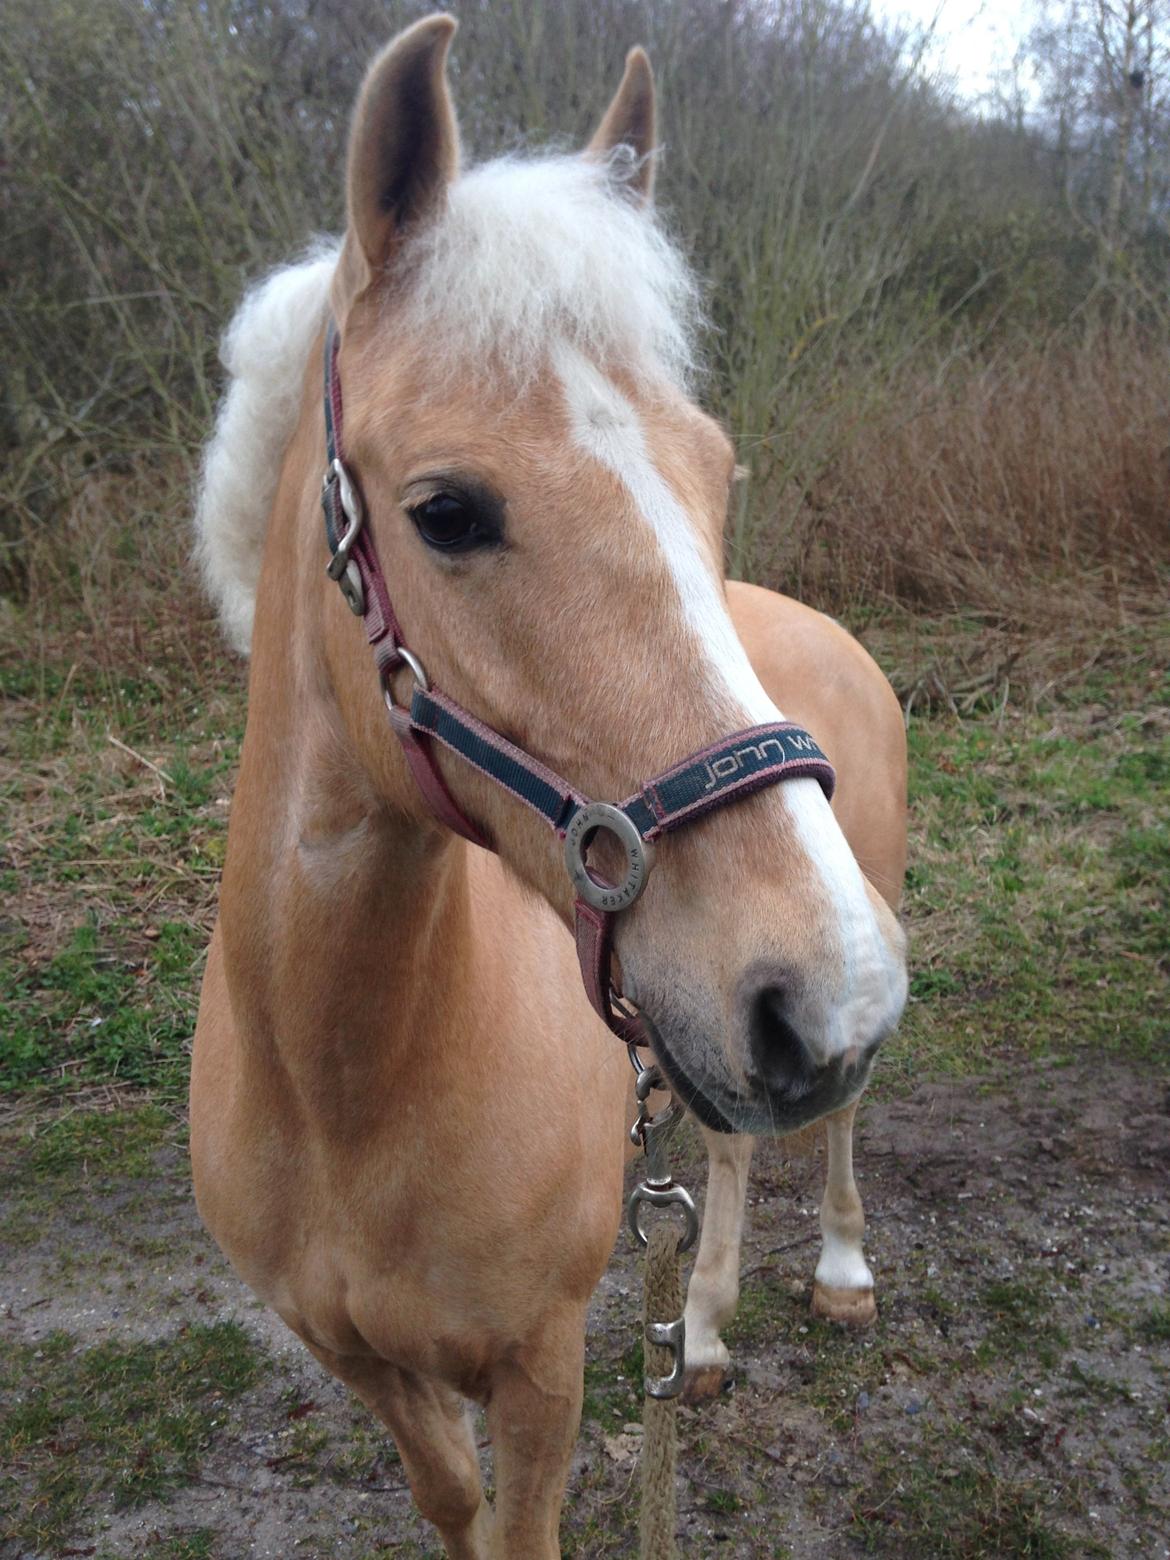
732, 768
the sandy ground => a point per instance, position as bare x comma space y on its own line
1013, 1397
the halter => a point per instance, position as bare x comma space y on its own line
745, 762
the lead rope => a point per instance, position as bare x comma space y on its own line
659, 1415
664, 1330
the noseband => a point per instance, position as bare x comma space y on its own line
740, 764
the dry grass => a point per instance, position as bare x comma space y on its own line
1032, 488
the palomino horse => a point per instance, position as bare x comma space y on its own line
407, 1121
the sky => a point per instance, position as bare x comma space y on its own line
972, 39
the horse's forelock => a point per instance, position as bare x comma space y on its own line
530, 252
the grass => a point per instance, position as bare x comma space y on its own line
113, 790
1020, 1323
116, 1425
613, 1389
1038, 893
100, 1009
1154, 1326
119, 1144
958, 1511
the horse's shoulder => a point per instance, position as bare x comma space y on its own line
785, 638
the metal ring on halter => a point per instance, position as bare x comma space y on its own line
416, 667
639, 856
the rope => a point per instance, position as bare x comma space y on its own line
659, 1431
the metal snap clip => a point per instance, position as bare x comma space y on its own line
639, 856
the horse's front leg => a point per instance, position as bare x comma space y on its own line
533, 1416
713, 1291
432, 1432
843, 1283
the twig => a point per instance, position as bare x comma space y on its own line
774, 1251
124, 747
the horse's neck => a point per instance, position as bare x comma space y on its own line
341, 914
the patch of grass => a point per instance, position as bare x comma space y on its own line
193, 1544
721, 1502
112, 784
613, 1389
1020, 1319
179, 1544
1155, 1324
962, 1511
120, 1143
1090, 1384
99, 1010
759, 1317
120, 1423
364, 1456
1038, 895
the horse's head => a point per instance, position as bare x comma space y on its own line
548, 504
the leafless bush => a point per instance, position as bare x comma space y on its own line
1016, 485
878, 264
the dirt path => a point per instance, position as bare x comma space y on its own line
1012, 1400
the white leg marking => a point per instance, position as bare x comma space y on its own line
713, 1291
842, 1264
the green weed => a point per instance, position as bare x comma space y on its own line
922, 1506
123, 1422
1155, 1325
98, 1010
121, 1143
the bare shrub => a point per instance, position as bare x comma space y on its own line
1015, 486
880, 270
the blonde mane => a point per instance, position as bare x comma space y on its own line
528, 253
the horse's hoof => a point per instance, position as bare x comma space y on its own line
850, 1307
704, 1383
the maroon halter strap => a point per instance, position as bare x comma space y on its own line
735, 767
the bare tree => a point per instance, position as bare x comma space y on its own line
1103, 67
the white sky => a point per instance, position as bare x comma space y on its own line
973, 38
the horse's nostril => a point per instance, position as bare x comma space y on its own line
780, 1055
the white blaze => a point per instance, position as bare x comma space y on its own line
605, 424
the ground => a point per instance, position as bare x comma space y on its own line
1012, 1398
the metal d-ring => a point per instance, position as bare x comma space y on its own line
410, 659
639, 856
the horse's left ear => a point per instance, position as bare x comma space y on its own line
403, 152
630, 121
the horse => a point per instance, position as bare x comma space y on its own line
407, 1116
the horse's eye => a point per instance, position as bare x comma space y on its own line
451, 522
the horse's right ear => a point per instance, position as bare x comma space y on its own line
403, 152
